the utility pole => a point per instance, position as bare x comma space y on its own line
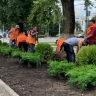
86, 21
59, 30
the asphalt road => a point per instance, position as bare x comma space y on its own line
47, 39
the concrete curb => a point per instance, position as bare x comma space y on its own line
5, 90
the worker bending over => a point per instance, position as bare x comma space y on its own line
21, 42
69, 47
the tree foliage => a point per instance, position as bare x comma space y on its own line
48, 12
14, 11
37, 12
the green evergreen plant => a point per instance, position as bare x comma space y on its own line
16, 53
56, 68
5, 50
87, 55
44, 49
0, 42
33, 58
82, 76
4, 44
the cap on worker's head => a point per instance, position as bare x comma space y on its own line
92, 20
17, 26
86, 41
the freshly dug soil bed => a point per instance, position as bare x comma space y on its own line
35, 81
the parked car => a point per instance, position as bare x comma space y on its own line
80, 35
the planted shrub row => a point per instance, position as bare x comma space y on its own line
56, 68
82, 76
44, 49
33, 58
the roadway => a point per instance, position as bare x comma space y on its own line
46, 40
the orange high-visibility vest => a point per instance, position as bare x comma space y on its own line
13, 33
16, 33
30, 39
21, 38
89, 28
59, 43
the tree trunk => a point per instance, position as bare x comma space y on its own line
68, 24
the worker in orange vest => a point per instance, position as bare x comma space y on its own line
14, 32
92, 24
91, 35
32, 38
59, 43
68, 46
21, 41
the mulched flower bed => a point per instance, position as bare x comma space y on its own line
35, 81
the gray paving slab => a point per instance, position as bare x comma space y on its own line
5, 90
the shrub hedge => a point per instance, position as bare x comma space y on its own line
4, 44
56, 68
44, 49
5, 50
82, 76
16, 53
33, 58
0, 42
87, 55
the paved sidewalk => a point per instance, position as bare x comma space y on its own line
5, 90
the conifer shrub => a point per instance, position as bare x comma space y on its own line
0, 42
16, 53
5, 50
82, 76
56, 68
44, 49
87, 55
4, 44
33, 58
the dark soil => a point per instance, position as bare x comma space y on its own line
35, 81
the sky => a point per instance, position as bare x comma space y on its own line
79, 8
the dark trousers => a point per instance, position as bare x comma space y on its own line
32, 46
23, 45
12, 43
70, 52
